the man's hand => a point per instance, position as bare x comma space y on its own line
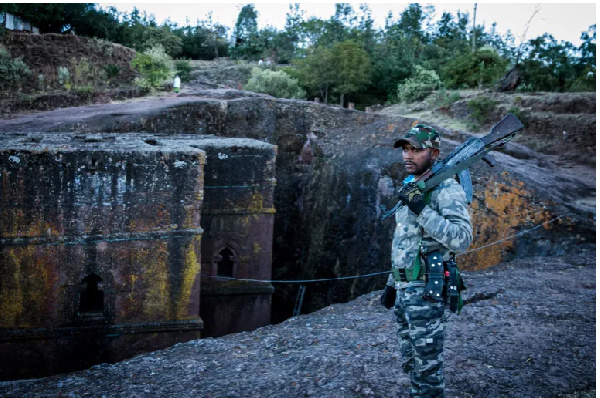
412, 197
388, 298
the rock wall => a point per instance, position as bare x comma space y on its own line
99, 241
562, 124
237, 216
336, 167
101, 251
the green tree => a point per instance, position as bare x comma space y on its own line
475, 69
549, 65
275, 83
353, 68
411, 21
344, 69
216, 36
288, 41
312, 30
50, 17
585, 66
153, 36
246, 36
316, 72
365, 33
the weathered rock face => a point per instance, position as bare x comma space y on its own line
336, 167
237, 217
527, 330
562, 124
99, 241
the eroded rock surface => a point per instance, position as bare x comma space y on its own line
528, 330
336, 167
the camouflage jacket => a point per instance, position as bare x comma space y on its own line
445, 225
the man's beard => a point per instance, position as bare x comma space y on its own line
421, 170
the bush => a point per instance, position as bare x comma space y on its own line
83, 74
184, 69
481, 108
154, 66
482, 68
419, 85
13, 72
443, 98
112, 71
276, 83
62, 73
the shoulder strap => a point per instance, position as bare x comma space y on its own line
416, 268
427, 197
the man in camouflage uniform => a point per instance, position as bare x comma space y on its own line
442, 225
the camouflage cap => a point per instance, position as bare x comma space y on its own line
420, 136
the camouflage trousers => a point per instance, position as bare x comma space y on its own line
421, 327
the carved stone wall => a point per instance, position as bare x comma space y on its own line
99, 249
238, 216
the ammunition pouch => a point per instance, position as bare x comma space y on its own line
454, 286
434, 290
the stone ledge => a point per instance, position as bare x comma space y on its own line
13, 335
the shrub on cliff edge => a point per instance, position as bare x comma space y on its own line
276, 83
13, 72
419, 85
155, 67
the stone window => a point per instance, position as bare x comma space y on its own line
91, 302
226, 262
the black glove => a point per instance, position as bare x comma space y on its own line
412, 197
388, 298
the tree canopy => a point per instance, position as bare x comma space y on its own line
344, 55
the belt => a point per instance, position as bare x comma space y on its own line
400, 275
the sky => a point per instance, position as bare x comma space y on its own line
565, 21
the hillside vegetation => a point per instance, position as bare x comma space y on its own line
341, 59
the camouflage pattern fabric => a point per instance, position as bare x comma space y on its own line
444, 225
421, 338
420, 136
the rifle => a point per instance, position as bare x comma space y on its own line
466, 155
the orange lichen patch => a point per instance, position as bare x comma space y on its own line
28, 286
156, 286
191, 216
14, 222
505, 209
11, 294
391, 127
191, 272
144, 288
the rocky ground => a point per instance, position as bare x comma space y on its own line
528, 330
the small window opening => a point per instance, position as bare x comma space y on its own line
225, 265
92, 297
